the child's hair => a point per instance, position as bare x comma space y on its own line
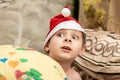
83, 39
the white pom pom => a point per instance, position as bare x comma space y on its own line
65, 12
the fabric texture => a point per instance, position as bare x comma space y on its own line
101, 59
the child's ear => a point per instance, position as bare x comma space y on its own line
46, 48
82, 50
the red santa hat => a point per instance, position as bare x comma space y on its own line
63, 21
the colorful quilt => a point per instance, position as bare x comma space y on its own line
19, 63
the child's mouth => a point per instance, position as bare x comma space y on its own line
66, 48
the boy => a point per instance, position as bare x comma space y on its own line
65, 41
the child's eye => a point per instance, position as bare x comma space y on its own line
60, 35
75, 37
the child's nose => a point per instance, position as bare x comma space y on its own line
68, 40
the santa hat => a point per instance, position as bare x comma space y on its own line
63, 21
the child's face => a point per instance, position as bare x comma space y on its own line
65, 44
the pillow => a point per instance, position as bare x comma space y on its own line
20, 63
102, 55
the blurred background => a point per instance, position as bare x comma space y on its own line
26, 22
